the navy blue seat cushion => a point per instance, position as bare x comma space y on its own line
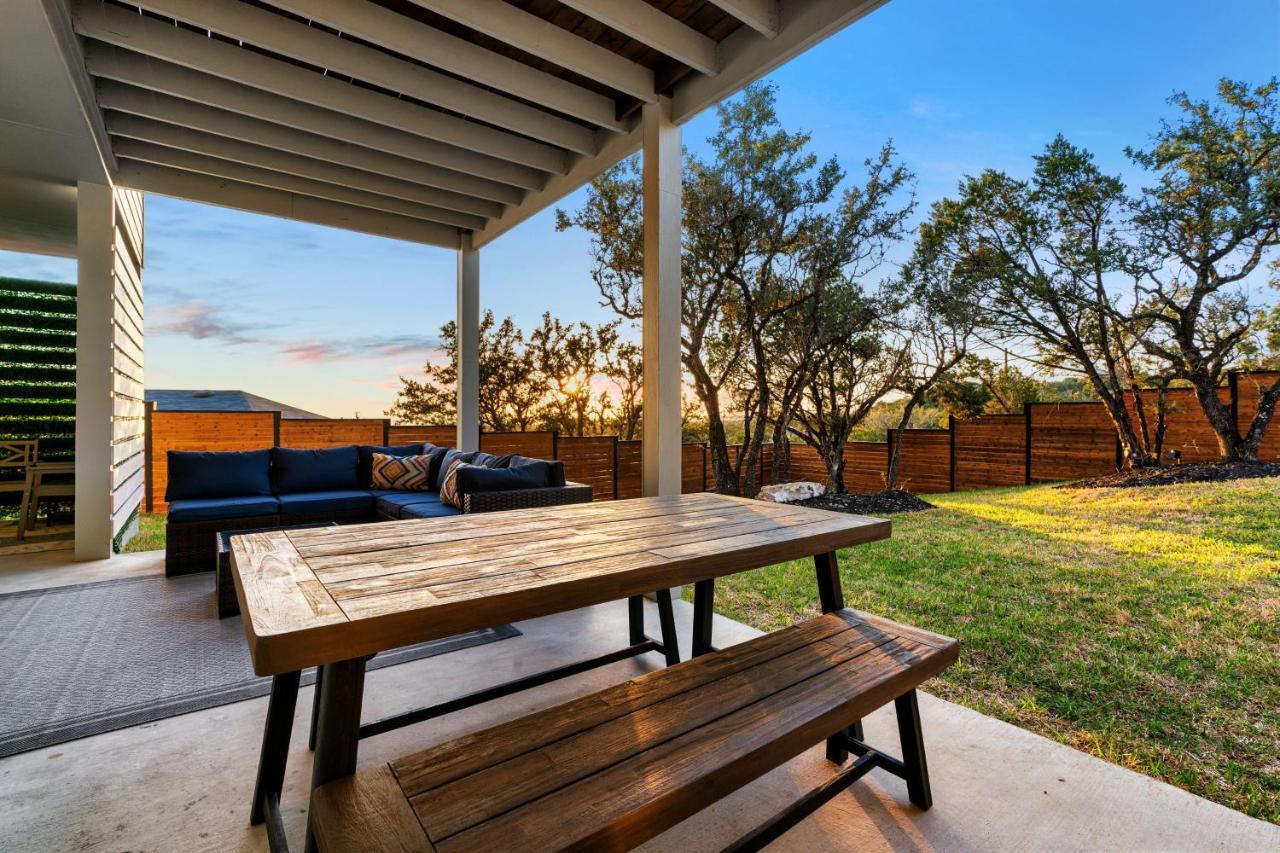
333, 500
334, 468
472, 479
428, 510
551, 470
224, 474
391, 503
185, 510
473, 457
366, 452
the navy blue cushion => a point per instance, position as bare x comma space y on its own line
339, 500
472, 479
428, 510
552, 469
449, 458
366, 452
295, 471
393, 503
184, 510
224, 474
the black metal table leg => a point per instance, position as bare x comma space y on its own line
635, 619
275, 745
338, 729
917, 770
704, 599
831, 598
667, 618
315, 709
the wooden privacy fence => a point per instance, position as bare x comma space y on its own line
1046, 443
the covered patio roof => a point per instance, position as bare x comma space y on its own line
417, 119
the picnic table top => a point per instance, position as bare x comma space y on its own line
318, 596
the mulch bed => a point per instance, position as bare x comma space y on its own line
873, 503
1169, 475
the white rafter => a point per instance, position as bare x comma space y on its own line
124, 100
296, 40
117, 26
544, 39
427, 44
478, 174
198, 142
763, 16
657, 29
194, 186
162, 155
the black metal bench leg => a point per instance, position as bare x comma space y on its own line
275, 744
917, 770
667, 618
704, 599
315, 709
635, 619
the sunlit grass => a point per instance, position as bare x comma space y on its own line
1140, 625
150, 535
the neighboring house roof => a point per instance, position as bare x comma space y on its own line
221, 401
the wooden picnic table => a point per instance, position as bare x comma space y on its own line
334, 597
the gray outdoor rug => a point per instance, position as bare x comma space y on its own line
91, 658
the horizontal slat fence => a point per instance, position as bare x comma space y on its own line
1066, 441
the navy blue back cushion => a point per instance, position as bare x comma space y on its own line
295, 471
224, 474
450, 456
366, 452
472, 479
551, 471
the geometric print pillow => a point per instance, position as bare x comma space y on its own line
410, 473
449, 495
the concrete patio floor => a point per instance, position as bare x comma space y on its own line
183, 784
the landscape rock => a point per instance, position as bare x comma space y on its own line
787, 493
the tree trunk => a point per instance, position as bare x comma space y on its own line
1224, 426
1251, 444
833, 456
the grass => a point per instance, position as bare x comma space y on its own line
1139, 625
150, 535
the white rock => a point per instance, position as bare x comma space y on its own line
786, 493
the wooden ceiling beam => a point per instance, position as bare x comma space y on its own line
543, 39
194, 186
123, 100
427, 44
115, 25
187, 161
763, 16
288, 37
123, 125
477, 174
654, 28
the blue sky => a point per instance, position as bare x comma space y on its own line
326, 319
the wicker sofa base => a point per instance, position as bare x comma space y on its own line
192, 546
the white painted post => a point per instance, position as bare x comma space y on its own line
660, 462
468, 346
95, 252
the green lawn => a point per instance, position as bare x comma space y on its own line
1139, 625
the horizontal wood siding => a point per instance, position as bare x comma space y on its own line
589, 460
203, 431
128, 415
330, 432
925, 463
991, 451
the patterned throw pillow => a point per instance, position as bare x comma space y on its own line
409, 473
449, 493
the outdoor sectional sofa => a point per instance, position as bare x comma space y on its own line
210, 492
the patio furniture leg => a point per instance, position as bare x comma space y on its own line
704, 597
917, 769
670, 642
275, 748
831, 598
315, 709
635, 619
338, 735
26, 501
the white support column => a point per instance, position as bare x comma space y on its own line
468, 346
95, 353
660, 463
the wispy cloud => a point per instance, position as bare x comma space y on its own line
389, 346
204, 322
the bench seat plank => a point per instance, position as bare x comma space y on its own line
615, 768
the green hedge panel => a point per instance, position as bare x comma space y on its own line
36, 338
9, 373
27, 285
37, 408
48, 357
41, 322
41, 304
43, 391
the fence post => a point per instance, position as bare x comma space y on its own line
386, 432
951, 428
275, 429
1026, 416
704, 466
615, 467
149, 408
555, 444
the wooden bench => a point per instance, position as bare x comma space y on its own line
615, 768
